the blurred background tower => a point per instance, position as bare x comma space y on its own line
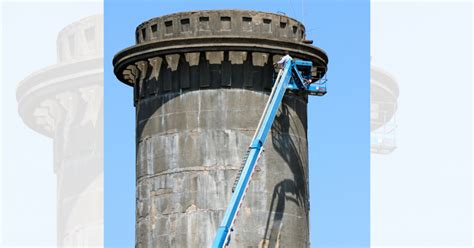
201, 80
384, 103
64, 102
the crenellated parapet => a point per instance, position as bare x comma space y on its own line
212, 49
54, 97
223, 23
81, 40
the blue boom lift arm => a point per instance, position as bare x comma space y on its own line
294, 76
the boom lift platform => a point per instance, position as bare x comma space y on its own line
295, 76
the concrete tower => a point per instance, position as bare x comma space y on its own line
201, 80
64, 102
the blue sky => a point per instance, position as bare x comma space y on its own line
339, 127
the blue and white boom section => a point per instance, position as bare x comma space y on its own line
294, 76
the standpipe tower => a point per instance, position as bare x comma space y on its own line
201, 80
63, 102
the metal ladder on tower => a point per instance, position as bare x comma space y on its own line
295, 75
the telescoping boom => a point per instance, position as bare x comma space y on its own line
296, 76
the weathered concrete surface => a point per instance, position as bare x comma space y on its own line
199, 96
189, 151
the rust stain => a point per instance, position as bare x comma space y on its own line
191, 208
